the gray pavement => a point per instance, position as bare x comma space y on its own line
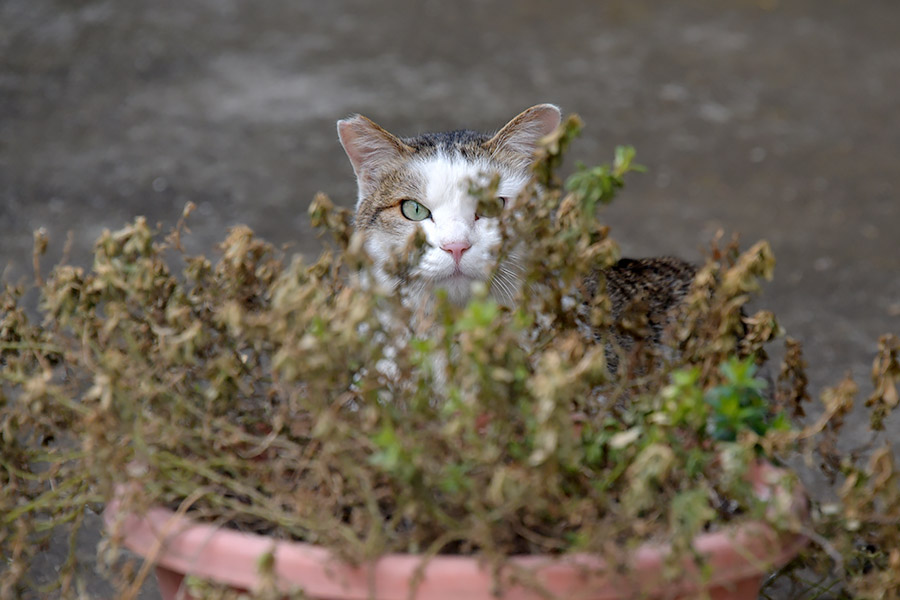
776, 119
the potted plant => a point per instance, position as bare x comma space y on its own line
298, 410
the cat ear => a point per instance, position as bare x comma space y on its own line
369, 147
521, 135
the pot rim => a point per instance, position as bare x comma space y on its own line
733, 553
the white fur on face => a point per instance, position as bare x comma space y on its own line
446, 181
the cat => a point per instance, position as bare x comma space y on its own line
424, 183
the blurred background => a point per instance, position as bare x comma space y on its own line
772, 119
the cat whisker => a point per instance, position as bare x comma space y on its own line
505, 282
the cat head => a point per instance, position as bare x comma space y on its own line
424, 182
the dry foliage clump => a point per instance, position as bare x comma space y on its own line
291, 399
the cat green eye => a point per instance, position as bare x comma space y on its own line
414, 211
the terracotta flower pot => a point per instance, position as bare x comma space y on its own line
738, 557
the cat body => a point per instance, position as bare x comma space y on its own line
423, 183
644, 293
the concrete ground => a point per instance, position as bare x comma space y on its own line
775, 119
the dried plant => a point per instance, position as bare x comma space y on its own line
291, 399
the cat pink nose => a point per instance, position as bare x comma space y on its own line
456, 249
